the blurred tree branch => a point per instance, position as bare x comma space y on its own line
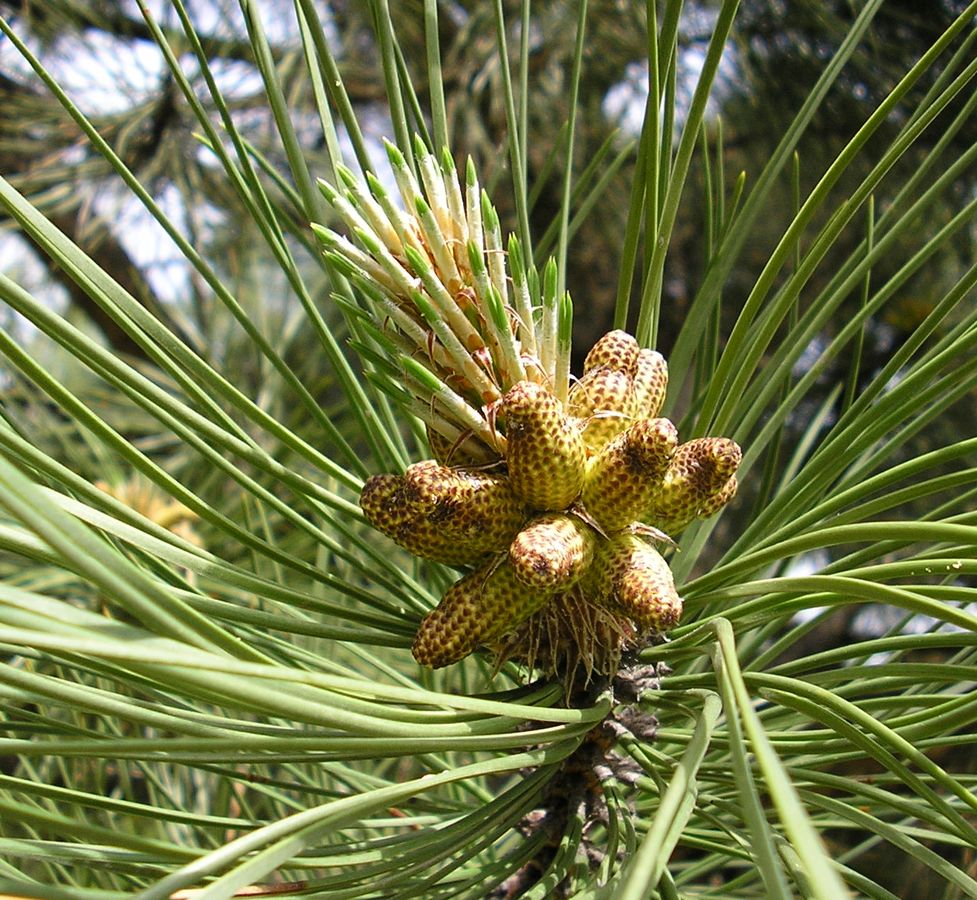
50, 18
37, 142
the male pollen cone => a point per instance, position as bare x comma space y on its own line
603, 399
650, 384
552, 552
698, 477
615, 350
383, 503
624, 476
453, 516
633, 577
718, 500
483, 605
544, 449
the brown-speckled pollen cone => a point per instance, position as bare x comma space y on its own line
486, 512
427, 483
603, 401
699, 470
650, 384
623, 478
479, 607
382, 502
454, 516
544, 448
633, 577
552, 552
718, 500
615, 350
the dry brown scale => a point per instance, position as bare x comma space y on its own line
563, 575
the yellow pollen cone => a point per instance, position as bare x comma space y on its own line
650, 384
453, 516
615, 350
544, 448
552, 552
603, 400
699, 472
624, 476
634, 578
479, 607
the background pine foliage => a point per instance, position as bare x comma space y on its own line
205, 680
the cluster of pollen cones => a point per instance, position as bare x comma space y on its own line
560, 534
551, 496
